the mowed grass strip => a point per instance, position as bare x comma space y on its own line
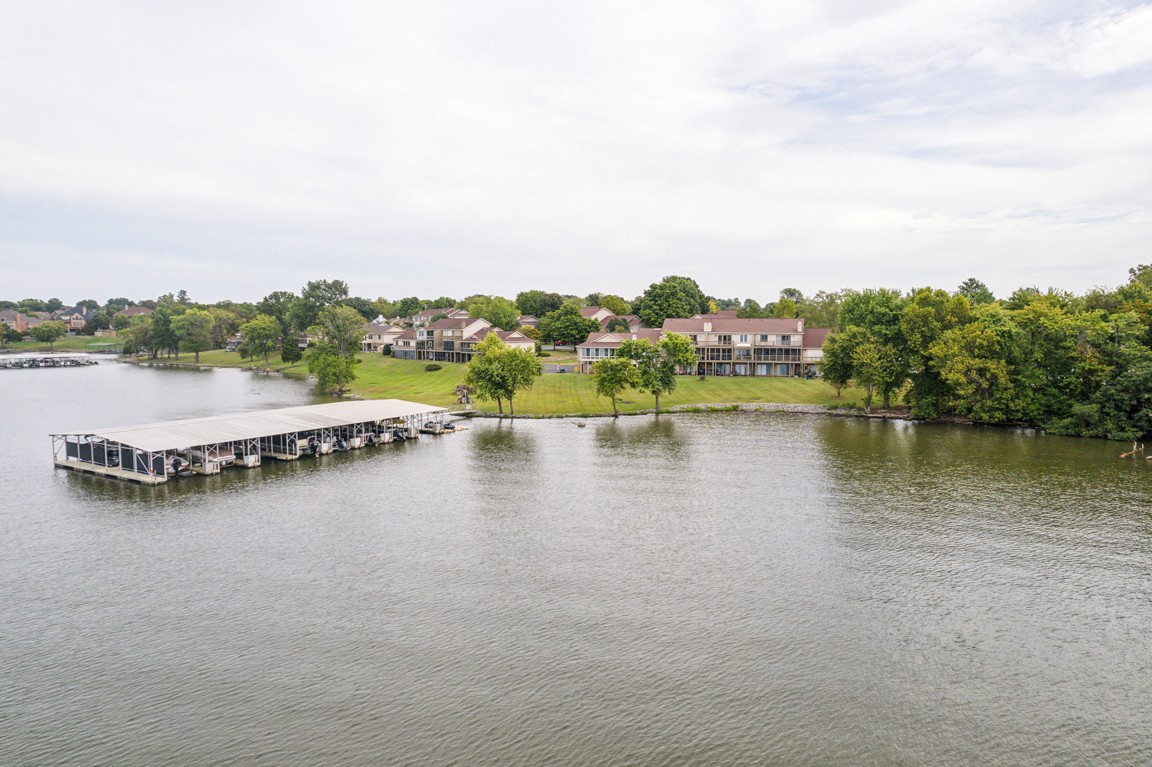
380, 377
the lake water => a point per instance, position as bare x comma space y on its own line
698, 589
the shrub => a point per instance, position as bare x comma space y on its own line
545, 354
432, 366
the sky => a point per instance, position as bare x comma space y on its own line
231, 149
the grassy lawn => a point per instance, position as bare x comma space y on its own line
381, 377
569, 393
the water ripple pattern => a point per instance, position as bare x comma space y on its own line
734, 588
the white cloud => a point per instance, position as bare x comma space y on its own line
449, 147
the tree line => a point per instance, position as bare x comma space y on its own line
1072, 364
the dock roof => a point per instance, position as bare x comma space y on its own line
190, 432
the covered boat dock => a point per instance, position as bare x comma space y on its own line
152, 453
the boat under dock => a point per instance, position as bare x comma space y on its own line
151, 454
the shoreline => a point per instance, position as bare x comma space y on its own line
713, 407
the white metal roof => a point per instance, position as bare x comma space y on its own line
168, 435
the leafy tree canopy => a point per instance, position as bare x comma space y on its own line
566, 325
673, 296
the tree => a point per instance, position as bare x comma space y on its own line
340, 328
566, 325
278, 304
671, 297
657, 364
499, 311
406, 307
785, 309
193, 331
366, 308
497, 371
290, 353
615, 304
975, 291
225, 324
48, 332
927, 315
612, 376
315, 295
136, 336
750, 309
537, 302
836, 366
8, 334
261, 336
333, 371
616, 324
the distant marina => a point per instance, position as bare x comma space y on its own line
25, 361
151, 454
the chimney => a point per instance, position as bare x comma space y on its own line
707, 327
800, 326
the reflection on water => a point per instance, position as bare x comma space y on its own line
727, 588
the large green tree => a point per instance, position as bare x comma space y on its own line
262, 335
566, 325
613, 375
975, 291
340, 328
673, 296
658, 364
499, 311
538, 302
193, 331
48, 332
497, 372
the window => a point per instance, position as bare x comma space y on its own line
743, 338
763, 338
785, 340
695, 340
724, 339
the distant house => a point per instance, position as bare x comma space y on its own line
404, 345
527, 321
726, 345
603, 344
16, 320
75, 317
729, 346
453, 340
420, 319
133, 311
377, 335
598, 313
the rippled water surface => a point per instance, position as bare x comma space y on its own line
703, 589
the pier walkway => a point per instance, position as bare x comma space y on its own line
151, 454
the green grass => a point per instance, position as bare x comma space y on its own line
380, 377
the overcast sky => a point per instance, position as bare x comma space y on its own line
427, 148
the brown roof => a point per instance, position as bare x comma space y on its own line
407, 335
449, 323
814, 337
732, 325
507, 336
588, 311
132, 311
